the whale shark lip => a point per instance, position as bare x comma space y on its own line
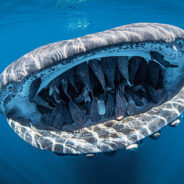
35, 71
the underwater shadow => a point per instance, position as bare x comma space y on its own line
124, 167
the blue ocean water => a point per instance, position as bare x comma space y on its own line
27, 24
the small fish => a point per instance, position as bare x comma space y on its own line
175, 123
87, 107
101, 107
138, 87
44, 94
70, 75
57, 97
141, 74
94, 116
84, 96
120, 108
42, 109
51, 89
39, 101
59, 120
155, 136
109, 67
160, 58
121, 88
153, 94
64, 84
137, 100
67, 116
97, 69
118, 78
45, 118
161, 78
153, 70
83, 73
34, 88
78, 114
53, 85
131, 106
52, 116
122, 63
96, 85
134, 63
110, 106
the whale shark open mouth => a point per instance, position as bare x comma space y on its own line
98, 93
101, 89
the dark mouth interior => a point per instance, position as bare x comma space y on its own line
101, 89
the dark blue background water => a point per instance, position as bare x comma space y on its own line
27, 24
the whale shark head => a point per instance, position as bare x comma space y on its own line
98, 93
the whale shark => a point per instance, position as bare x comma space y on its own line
98, 93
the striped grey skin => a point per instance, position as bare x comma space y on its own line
47, 62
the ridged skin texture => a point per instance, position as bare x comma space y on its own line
50, 54
111, 135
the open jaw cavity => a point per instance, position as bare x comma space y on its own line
98, 93
100, 90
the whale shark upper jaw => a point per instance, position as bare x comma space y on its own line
98, 93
